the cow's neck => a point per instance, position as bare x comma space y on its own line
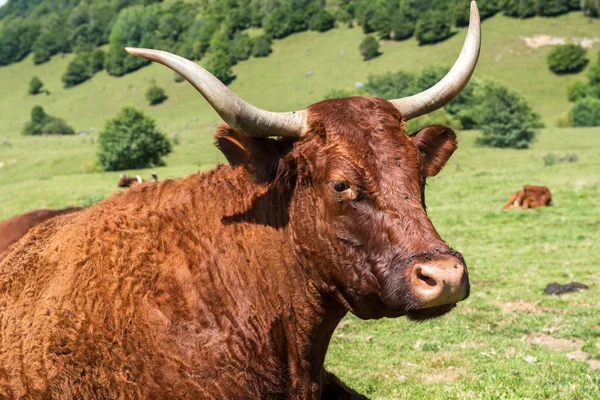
302, 316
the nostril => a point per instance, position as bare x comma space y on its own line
428, 280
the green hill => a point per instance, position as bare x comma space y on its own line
301, 70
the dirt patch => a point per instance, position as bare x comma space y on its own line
578, 355
524, 307
554, 343
444, 375
595, 364
537, 41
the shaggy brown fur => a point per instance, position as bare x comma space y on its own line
227, 284
529, 197
16, 227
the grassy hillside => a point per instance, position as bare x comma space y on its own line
508, 340
300, 71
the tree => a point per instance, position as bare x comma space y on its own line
261, 46
578, 90
591, 8
96, 61
35, 85
131, 141
44, 124
16, 39
135, 26
155, 95
77, 72
219, 65
401, 27
322, 21
432, 27
241, 46
504, 117
567, 59
391, 85
369, 48
585, 112
552, 7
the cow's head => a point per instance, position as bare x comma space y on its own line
357, 211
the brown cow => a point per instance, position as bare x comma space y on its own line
16, 227
529, 197
229, 284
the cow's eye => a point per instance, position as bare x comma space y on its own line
340, 186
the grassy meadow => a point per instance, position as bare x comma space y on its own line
508, 340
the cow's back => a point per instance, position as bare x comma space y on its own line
129, 299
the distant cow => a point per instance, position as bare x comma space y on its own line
16, 227
529, 197
126, 181
229, 284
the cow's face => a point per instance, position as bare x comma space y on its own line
358, 212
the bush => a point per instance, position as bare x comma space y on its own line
35, 85
131, 141
369, 48
241, 47
322, 21
432, 27
44, 124
401, 27
155, 95
567, 59
337, 94
391, 85
261, 47
177, 78
591, 8
40, 56
77, 72
219, 64
96, 61
586, 112
505, 117
552, 7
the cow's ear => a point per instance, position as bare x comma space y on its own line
436, 144
260, 156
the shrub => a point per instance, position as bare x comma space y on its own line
90, 167
391, 85
432, 27
401, 27
44, 124
337, 94
369, 48
504, 117
96, 61
35, 85
550, 159
567, 59
177, 78
552, 7
586, 112
241, 47
594, 74
577, 90
155, 95
77, 72
261, 47
322, 21
219, 64
591, 8
131, 141
40, 56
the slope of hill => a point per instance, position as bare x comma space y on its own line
301, 70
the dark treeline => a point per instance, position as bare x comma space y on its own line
215, 28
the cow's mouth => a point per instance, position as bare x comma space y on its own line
424, 314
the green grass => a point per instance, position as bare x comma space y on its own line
479, 350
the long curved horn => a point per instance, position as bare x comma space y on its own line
451, 85
236, 112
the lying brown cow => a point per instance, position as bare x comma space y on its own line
229, 284
16, 227
529, 197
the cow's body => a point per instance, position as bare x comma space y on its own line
16, 227
530, 196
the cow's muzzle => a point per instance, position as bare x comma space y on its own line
439, 281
